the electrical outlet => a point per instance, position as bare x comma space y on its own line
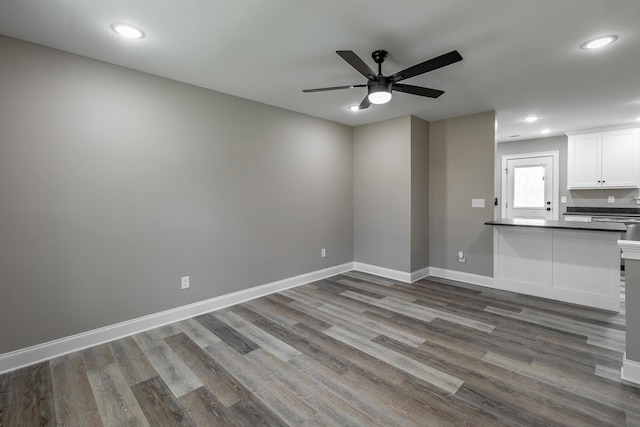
477, 203
323, 252
611, 199
563, 199
461, 257
184, 282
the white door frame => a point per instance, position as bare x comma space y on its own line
556, 180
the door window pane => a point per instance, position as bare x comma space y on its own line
528, 187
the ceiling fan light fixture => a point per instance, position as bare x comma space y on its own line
381, 97
380, 93
128, 31
599, 42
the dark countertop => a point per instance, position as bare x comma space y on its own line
562, 225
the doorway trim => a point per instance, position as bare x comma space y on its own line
556, 179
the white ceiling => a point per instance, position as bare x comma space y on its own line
520, 57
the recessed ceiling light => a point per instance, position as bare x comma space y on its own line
354, 108
544, 131
531, 119
599, 42
128, 31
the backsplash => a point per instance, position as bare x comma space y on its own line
599, 198
602, 210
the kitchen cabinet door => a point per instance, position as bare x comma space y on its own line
618, 154
584, 164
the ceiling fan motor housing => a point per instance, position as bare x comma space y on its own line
381, 84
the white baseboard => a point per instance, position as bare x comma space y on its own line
630, 370
41, 352
388, 273
460, 276
420, 274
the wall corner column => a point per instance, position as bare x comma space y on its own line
631, 363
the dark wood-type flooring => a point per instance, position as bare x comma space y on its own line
352, 350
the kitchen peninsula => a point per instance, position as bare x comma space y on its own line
566, 261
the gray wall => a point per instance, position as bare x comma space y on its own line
391, 194
623, 198
115, 183
419, 194
382, 194
461, 168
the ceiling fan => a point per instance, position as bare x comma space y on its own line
379, 87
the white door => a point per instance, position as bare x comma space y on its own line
530, 187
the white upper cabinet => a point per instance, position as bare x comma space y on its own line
604, 160
584, 167
619, 158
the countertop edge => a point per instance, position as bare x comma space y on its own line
630, 249
560, 225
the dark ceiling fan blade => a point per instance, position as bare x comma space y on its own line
426, 66
322, 89
417, 90
365, 103
357, 63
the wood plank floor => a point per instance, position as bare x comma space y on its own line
352, 350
